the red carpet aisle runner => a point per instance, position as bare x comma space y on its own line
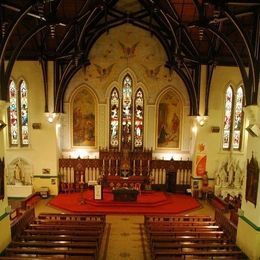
147, 203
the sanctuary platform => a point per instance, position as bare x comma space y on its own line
148, 202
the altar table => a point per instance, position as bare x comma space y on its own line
125, 194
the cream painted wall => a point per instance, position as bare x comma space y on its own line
248, 239
222, 76
43, 151
5, 236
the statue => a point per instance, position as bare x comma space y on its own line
18, 175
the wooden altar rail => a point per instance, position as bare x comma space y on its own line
227, 225
20, 223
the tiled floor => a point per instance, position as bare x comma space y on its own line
124, 236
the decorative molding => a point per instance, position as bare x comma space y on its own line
252, 113
250, 223
3, 216
45, 177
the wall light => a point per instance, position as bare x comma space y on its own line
202, 120
50, 117
2, 124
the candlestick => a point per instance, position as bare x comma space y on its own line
141, 167
116, 167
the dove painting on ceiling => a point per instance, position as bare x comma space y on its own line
128, 51
152, 73
103, 72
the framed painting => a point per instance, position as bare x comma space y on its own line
2, 179
83, 119
252, 179
169, 121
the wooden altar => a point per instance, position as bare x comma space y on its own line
124, 169
123, 194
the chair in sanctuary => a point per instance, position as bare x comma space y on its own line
205, 188
64, 187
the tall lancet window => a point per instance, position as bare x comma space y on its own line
13, 115
127, 112
138, 119
18, 114
24, 113
238, 119
228, 118
114, 118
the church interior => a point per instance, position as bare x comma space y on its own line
129, 120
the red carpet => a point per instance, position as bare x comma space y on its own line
154, 202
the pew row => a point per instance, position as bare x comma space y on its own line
189, 237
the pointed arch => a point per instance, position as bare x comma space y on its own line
114, 118
139, 119
13, 115
238, 119
23, 115
228, 114
127, 106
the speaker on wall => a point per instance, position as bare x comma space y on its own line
253, 130
215, 129
36, 125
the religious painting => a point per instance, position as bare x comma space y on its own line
83, 112
252, 180
2, 175
169, 121
201, 164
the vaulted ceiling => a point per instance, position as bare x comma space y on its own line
193, 32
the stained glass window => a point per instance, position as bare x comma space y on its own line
228, 118
24, 113
238, 119
13, 121
127, 112
138, 119
18, 114
114, 119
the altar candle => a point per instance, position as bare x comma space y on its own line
140, 163
134, 164
81, 178
109, 163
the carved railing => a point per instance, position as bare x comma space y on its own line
229, 228
22, 222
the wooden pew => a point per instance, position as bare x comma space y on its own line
189, 237
160, 254
56, 244
180, 228
72, 238
198, 233
31, 252
181, 223
67, 222
63, 232
171, 218
78, 217
99, 228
